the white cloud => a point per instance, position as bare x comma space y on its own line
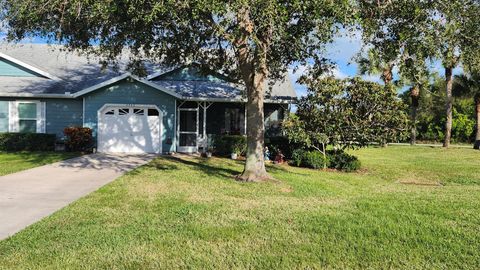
345, 46
296, 72
372, 78
337, 73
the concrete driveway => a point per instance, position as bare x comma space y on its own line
28, 196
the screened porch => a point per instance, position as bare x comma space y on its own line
197, 121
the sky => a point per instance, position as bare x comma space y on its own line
341, 52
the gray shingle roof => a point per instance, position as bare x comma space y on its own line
75, 72
223, 90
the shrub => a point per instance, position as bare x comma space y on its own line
78, 138
342, 161
227, 144
336, 159
315, 160
309, 159
27, 142
297, 157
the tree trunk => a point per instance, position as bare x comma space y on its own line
448, 106
255, 163
415, 95
476, 145
387, 77
254, 79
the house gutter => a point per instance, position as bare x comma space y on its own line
63, 96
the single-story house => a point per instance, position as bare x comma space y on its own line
44, 89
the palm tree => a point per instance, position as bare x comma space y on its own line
374, 64
469, 86
413, 72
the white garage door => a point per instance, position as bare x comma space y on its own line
128, 129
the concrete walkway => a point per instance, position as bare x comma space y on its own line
28, 196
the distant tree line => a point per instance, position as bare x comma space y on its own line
407, 36
430, 120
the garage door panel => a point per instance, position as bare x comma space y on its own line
129, 131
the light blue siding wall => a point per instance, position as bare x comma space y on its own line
60, 113
127, 92
8, 68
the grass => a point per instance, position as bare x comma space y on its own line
409, 208
19, 161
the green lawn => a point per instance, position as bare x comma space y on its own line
18, 161
409, 208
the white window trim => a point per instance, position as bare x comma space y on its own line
14, 118
8, 115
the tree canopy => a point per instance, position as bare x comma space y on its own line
347, 113
411, 33
210, 32
249, 40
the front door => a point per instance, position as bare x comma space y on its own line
188, 130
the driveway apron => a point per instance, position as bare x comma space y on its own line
30, 195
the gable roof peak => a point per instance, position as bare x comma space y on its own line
30, 68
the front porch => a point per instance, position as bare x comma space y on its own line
198, 121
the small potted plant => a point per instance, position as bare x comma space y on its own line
237, 150
209, 152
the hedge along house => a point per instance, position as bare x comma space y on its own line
44, 89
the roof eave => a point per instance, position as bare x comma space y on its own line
29, 95
240, 100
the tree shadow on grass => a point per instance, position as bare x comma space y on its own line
160, 164
201, 164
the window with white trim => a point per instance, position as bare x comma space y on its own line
4, 116
27, 117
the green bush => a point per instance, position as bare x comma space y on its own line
297, 157
336, 159
315, 160
226, 144
309, 159
27, 142
78, 138
342, 161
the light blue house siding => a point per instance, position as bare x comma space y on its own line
60, 113
128, 92
8, 68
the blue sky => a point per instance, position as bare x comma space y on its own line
341, 52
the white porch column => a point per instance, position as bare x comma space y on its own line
245, 119
204, 119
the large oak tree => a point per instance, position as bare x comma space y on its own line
253, 41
